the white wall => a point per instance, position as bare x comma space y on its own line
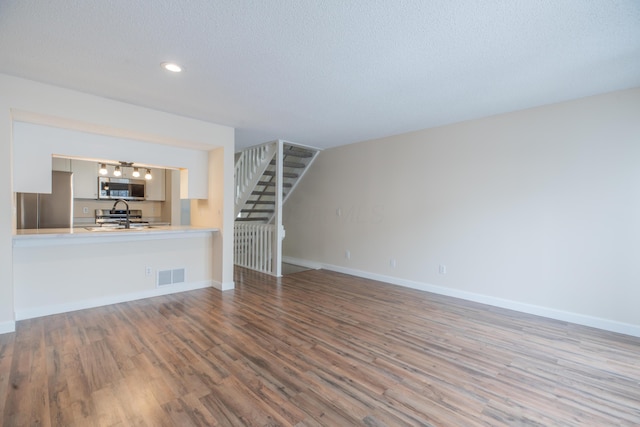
7, 323
207, 212
27, 101
34, 144
88, 272
537, 210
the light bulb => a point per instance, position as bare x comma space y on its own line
148, 174
103, 169
171, 66
136, 173
117, 171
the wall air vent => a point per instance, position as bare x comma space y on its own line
169, 277
177, 275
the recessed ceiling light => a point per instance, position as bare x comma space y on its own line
171, 66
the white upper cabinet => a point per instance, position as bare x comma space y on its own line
60, 164
85, 176
85, 179
125, 172
155, 185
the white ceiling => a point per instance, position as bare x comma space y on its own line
326, 72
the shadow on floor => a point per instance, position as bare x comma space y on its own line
291, 269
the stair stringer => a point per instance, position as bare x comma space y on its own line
316, 151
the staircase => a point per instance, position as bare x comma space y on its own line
265, 177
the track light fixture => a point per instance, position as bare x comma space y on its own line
118, 170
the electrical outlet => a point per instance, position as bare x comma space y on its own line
148, 271
347, 254
85, 210
442, 269
393, 263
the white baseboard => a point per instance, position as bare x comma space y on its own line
7, 327
30, 313
551, 313
302, 262
223, 286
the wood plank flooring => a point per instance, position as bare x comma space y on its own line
314, 348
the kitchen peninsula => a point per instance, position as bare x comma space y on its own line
69, 235
42, 275
60, 270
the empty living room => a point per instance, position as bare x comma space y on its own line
361, 213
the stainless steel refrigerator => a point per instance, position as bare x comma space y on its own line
55, 210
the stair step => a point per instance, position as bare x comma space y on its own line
269, 183
285, 174
260, 202
286, 164
269, 211
297, 153
252, 219
265, 193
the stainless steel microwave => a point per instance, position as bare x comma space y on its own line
121, 188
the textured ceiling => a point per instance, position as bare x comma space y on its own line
331, 72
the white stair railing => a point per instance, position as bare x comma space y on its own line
253, 246
249, 168
258, 246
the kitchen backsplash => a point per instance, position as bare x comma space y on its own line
152, 211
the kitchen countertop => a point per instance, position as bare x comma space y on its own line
45, 236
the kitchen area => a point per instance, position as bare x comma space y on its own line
107, 232
56, 270
178, 217
84, 193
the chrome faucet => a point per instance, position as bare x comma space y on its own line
127, 223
